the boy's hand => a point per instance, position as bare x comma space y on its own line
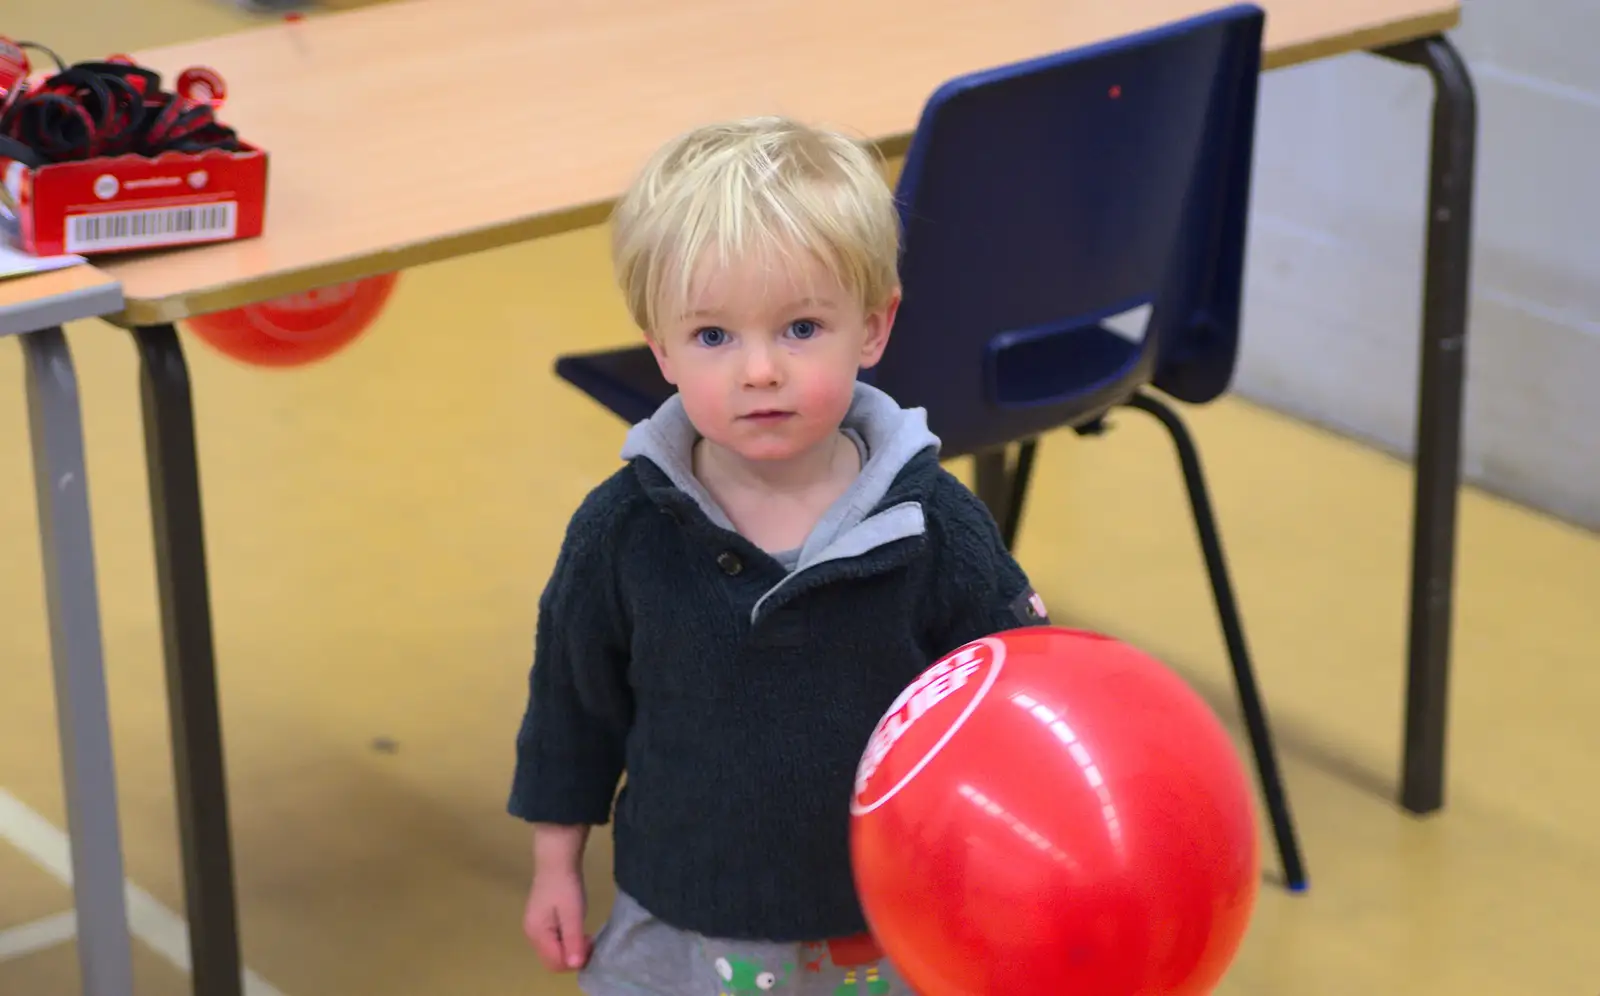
553, 920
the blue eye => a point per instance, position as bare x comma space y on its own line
711, 336
805, 328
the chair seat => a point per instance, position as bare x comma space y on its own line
626, 380
1077, 375
1035, 384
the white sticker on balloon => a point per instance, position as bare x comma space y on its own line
961, 679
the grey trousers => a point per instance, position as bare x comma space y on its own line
638, 955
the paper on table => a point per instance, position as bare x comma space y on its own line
15, 263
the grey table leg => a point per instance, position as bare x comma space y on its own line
89, 773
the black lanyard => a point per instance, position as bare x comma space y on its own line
109, 108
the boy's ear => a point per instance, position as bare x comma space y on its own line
662, 359
880, 322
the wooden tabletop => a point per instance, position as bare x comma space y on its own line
43, 300
420, 130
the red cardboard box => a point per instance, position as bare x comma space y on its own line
131, 202
126, 201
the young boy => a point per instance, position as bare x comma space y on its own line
734, 609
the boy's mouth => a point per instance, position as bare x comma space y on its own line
766, 415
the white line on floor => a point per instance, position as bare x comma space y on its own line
38, 935
151, 922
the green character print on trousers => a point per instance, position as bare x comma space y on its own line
740, 975
858, 957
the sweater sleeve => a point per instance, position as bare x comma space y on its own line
981, 589
570, 748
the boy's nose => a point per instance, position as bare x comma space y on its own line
761, 367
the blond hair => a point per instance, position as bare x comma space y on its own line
753, 186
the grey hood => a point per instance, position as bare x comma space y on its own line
890, 436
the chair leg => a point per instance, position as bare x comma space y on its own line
1003, 486
1020, 474
1233, 632
991, 480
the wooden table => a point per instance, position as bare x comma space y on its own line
34, 308
419, 131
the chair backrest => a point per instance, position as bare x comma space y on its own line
1042, 198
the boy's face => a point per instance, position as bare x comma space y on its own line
766, 354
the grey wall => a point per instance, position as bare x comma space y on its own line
1333, 297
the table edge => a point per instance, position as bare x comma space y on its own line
73, 305
1366, 40
142, 312
170, 308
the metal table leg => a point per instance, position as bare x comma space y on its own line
56, 426
191, 667
1446, 288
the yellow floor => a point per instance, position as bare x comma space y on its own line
379, 527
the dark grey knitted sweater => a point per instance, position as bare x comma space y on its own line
735, 693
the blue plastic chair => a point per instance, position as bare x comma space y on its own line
1043, 202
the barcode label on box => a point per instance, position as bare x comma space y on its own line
152, 227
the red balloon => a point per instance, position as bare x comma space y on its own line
1053, 811
297, 329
